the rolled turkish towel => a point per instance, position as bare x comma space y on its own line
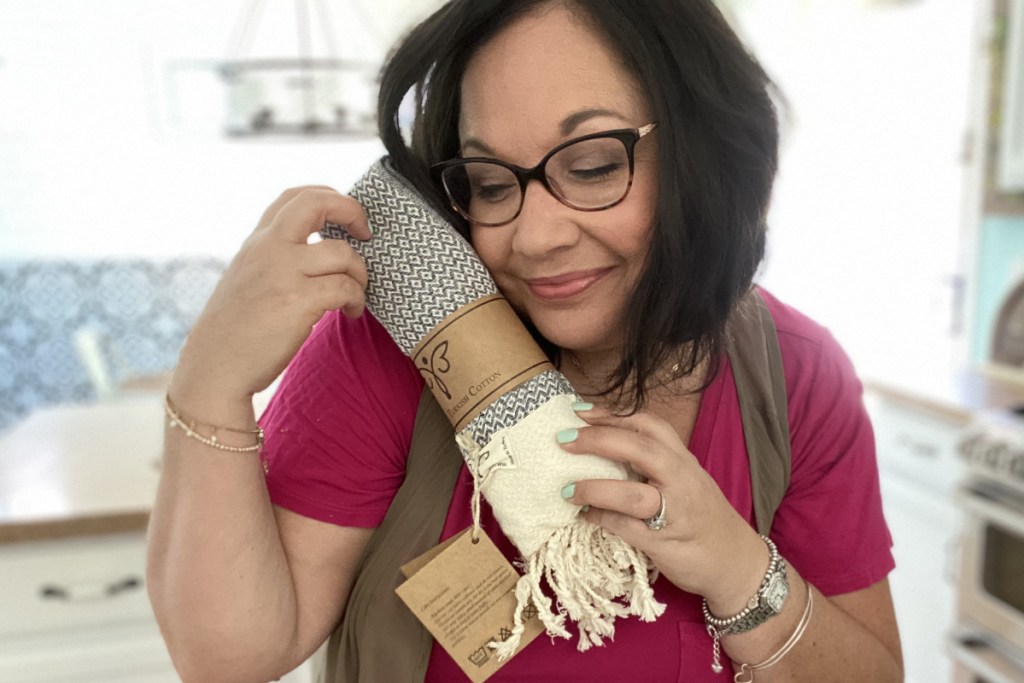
506, 401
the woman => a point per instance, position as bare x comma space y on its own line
630, 299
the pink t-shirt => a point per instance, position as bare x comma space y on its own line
339, 428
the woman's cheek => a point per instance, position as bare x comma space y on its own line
508, 290
491, 251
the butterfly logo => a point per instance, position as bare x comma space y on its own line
436, 365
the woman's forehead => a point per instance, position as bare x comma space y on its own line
547, 68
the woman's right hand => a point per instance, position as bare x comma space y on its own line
265, 305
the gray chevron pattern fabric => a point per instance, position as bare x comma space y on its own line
515, 405
421, 269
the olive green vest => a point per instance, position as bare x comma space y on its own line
363, 647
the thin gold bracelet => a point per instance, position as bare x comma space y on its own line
749, 669
188, 425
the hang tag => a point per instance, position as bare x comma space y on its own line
464, 594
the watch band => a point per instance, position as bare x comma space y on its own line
763, 605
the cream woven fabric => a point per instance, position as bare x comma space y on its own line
596, 577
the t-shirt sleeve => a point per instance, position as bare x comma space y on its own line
830, 524
339, 426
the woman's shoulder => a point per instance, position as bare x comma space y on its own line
352, 366
339, 427
808, 347
349, 380
358, 349
822, 386
793, 326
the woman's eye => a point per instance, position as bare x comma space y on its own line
591, 173
491, 192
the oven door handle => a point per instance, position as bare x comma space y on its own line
1003, 512
981, 659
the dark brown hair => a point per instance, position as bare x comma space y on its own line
717, 145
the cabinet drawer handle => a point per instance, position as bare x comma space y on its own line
93, 591
124, 585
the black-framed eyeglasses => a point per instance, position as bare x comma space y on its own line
589, 173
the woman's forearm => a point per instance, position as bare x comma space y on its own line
217, 573
835, 645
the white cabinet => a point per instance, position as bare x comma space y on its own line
919, 470
77, 610
923, 593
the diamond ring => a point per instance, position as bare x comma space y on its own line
657, 522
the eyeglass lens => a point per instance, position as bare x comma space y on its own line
589, 174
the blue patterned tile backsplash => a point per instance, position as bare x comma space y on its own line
141, 309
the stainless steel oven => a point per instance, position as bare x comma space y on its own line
988, 645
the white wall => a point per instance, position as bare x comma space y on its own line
110, 144
869, 205
110, 125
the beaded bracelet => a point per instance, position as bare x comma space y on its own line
188, 425
763, 605
738, 622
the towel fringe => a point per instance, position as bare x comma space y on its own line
595, 576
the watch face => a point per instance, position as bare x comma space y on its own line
777, 591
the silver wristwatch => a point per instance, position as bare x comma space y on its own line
763, 605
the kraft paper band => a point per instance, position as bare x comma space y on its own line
475, 355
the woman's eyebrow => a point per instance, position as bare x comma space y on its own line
478, 144
569, 124
573, 121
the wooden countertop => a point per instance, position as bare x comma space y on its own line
71, 470
954, 395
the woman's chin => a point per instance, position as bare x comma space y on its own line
579, 327
567, 335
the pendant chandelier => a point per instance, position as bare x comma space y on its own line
311, 92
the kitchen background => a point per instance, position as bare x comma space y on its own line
122, 196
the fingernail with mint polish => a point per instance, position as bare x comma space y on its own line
585, 508
567, 435
568, 490
582, 406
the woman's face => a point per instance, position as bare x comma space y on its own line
546, 79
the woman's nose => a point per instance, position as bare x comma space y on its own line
544, 223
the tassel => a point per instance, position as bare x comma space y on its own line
596, 577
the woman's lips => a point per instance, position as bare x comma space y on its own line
564, 286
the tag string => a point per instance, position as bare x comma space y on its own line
471, 451
475, 506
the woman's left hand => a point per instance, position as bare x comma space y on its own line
705, 546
